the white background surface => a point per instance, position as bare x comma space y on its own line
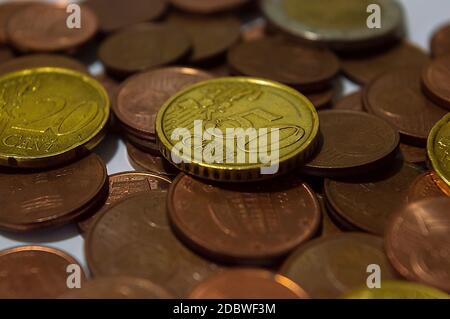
423, 17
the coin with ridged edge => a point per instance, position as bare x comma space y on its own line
438, 148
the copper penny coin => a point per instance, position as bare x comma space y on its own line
133, 238
254, 224
141, 96
43, 28
418, 242
42, 60
33, 200
116, 14
353, 142
328, 226
367, 204
111, 86
396, 96
6, 11
207, 6
424, 187
306, 68
118, 287
144, 144
435, 76
34, 272
142, 47
248, 283
334, 265
125, 184
413, 154
351, 102
440, 41
364, 69
322, 99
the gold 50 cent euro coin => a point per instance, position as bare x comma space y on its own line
48, 115
237, 129
439, 148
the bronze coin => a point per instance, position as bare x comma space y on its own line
396, 96
43, 28
328, 226
207, 6
118, 288
322, 99
364, 69
353, 142
306, 68
142, 47
144, 144
248, 283
254, 224
6, 11
367, 204
334, 265
440, 41
133, 238
32, 200
141, 96
125, 184
211, 36
418, 242
424, 187
42, 60
351, 102
34, 272
413, 154
435, 78
116, 14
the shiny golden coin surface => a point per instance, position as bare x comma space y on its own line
48, 115
438, 148
237, 129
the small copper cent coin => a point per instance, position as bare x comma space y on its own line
351, 102
7, 10
413, 154
435, 78
440, 41
425, 187
207, 6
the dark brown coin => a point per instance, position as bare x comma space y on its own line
418, 242
144, 144
207, 6
244, 223
118, 288
6, 11
35, 272
43, 28
248, 283
125, 184
117, 14
134, 238
142, 47
351, 102
334, 265
306, 68
211, 36
353, 142
52, 198
323, 99
396, 96
424, 187
328, 226
440, 42
141, 96
435, 78
364, 69
5, 55
413, 154
222, 70
368, 204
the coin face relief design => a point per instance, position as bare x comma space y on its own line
47, 113
439, 148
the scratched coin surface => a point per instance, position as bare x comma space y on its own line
353, 142
351, 102
440, 41
254, 223
263, 106
43, 28
207, 6
134, 238
418, 242
49, 114
306, 68
248, 283
337, 264
425, 187
434, 77
35, 272
396, 96
125, 184
368, 203
439, 148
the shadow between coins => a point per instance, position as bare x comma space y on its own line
44, 235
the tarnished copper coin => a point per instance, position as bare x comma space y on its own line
440, 41
248, 283
306, 68
207, 6
116, 14
368, 203
35, 272
118, 287
51, 198
7, 10
42, 60
396, 96
365, 68
334, 265
43, 28
351, 102
125, 184
435, 78
142, 47
255, 223
413, 154
211, 36
133, 238
353, 142
424, 187
418, 242
140, 97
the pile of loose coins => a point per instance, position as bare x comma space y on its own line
356, 204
